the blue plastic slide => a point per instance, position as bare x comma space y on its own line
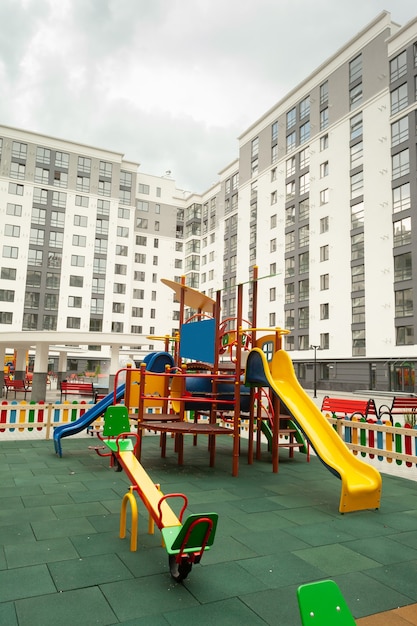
72, 428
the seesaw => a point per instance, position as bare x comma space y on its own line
185, 541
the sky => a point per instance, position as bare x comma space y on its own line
171, 84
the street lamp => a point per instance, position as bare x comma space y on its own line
315, 348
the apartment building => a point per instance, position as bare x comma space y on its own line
321, 198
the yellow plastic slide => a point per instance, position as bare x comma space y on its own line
361, 483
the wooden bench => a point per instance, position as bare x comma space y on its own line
401, 405
77, 389
16, 385
346, 407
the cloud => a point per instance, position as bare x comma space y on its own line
170, 83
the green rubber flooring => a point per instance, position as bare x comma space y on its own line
62, 562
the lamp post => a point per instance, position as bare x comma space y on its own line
315, 348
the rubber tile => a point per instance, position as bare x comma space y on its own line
225, 612
277, 607
37, 552
62, 528
336, 559
399, 576
382, 549
8, 614
84, 572
25, 582
81, 607
149, 596
320, 534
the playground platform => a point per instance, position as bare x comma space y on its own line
62, 561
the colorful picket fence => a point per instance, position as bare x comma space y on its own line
379, 439
18, 416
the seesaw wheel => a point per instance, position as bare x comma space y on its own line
179, 571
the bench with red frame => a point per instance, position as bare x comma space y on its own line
16, 385
401, 405
77, 389
346, 407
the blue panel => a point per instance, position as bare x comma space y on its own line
197, 341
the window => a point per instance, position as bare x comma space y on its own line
303, 235
49, 322
303, 317
121, 250
8, 273
291, 118
304, 209
404, 335
103, 207
118, 307
356, 185
304, 158
33, 278
102, 227
402, 232
124, 214
324, 311
401, 164
30, 321
62, 160
37, 236
74, 322
78, 240
16, 189
358, 310
60, 179
324, 253
81, 201
289, 267
11, 230
289, 190
105, 169
324, 282
355, 96
324, 92
399, 99
357, 215
324, 342
6, 295
57, 219
80, 220
324, 224
291, 140
403, 266
272, 245
303, 262
398, 66
289, 293
404, 303
125, 196
324, 196
290, 241
43, 155
99, 266
122, 231
77, 260
59, 199
304, 182
290, 167
84, 164
104, 188
355, 68
358, 343
32, 300
273, 221
98, 285
305, 107
356, 155
141, 222
83, 183
358, 278
303, 342
14, 209
56, 239
119, 288
145, 189
304, 132
324, 142
19, 150
303, 289
255, 147
100, 246
17, 170
290, 319
11, 252
51, 302
324, 118
401, 198
358, 246
324, 169
399, 131
356, 126
76, 281
120, 269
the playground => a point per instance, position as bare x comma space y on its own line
268, 532
62, 560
